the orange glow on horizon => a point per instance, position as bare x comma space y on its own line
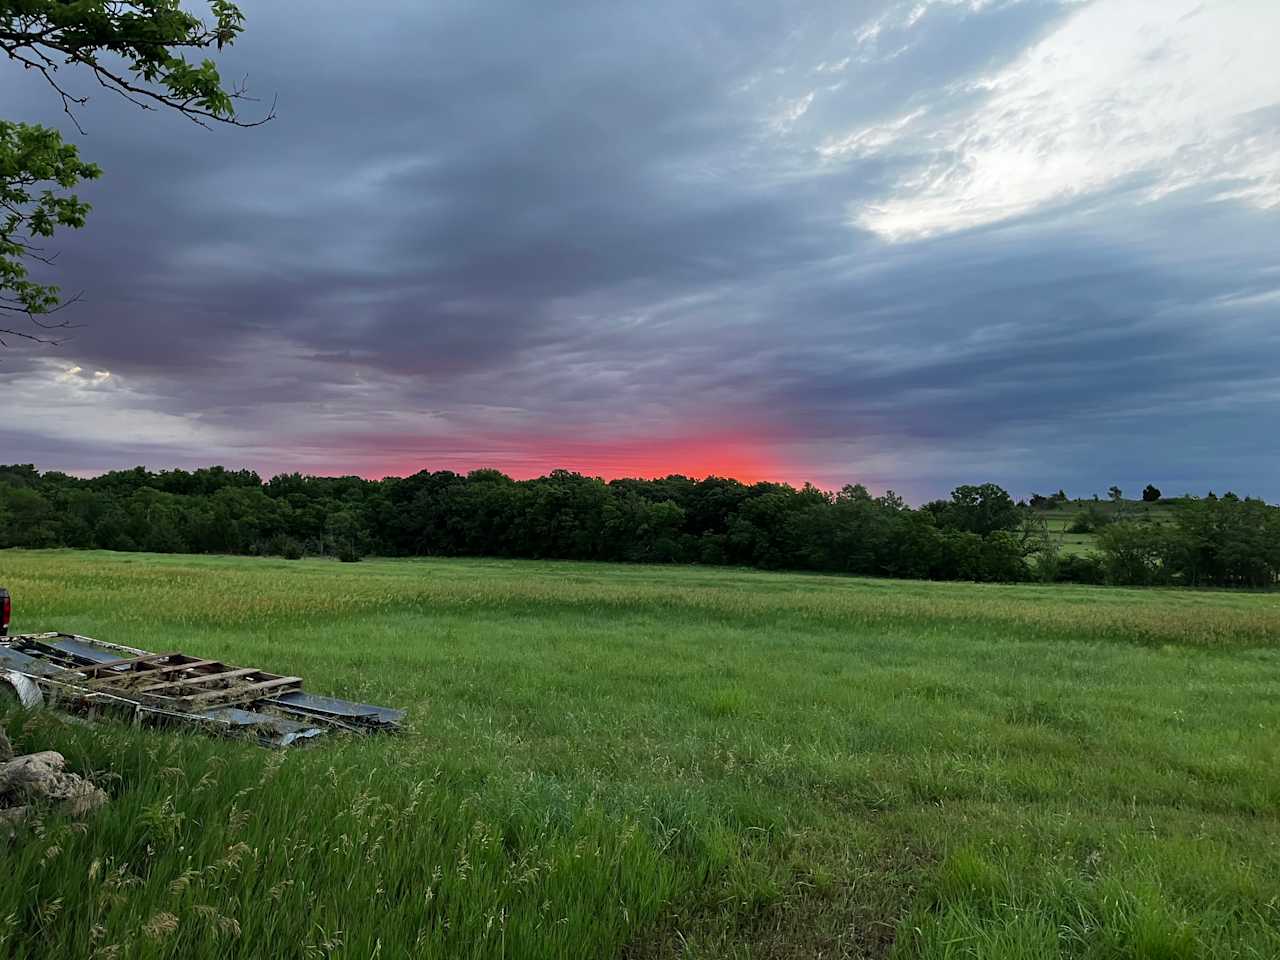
727, 455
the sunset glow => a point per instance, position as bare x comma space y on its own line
724, 455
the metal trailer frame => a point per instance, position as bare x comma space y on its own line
89, 675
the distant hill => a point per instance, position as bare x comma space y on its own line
1062, 516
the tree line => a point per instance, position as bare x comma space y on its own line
978, 534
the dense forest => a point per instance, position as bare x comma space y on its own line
980, 533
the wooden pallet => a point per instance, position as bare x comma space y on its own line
178, 681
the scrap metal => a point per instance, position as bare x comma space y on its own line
88, 675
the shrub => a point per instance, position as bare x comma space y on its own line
1044, 566
282, 545
1134, 554
1087, 569
1091, 520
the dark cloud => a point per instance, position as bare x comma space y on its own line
473, 226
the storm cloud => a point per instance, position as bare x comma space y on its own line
909, 244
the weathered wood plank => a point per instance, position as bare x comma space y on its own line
252, 691
204, 678
114, 665
133, 677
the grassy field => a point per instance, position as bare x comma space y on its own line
643, 762
1062, 516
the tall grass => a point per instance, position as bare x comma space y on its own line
667, 762
211, 851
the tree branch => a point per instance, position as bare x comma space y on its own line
34, 44
46, 70
144, 44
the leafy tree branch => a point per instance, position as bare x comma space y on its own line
138, 49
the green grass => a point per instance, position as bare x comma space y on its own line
648, 762
1060, 518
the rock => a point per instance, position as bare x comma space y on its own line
6, 748
21, 773
41, 778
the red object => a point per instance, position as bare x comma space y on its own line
6, 610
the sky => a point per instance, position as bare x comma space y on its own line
905, 244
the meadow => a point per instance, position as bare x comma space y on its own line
658, 762
1059, 519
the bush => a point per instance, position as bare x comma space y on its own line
1135, 554
284, 546
967, 556
1044, 566
1090, 520
347, 553
1002, 559
1072, 569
